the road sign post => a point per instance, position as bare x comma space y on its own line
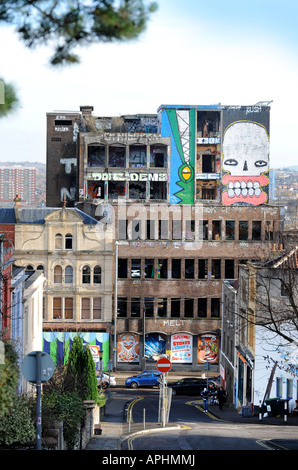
163, 365
38, 367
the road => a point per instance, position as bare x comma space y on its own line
190, 429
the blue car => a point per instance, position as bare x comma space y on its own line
148, 378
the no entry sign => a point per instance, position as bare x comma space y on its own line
163, 365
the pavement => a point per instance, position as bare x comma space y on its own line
115, 427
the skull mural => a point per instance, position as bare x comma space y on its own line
246, 161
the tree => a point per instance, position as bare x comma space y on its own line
71, 23
8, 98
270, 291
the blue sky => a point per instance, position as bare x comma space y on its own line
193, 52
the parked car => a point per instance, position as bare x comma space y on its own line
105, 380
190, 386
148, 378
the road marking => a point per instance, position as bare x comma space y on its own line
197, 405
130, 407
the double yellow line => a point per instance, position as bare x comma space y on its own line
130, 407
196, 405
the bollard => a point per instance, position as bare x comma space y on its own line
285, 411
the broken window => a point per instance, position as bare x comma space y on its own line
230, 229
96, 155
189, 229
116, 189
158, 190
163, 229
208, 163
163, 268
162, 306
202, 307
149, 268
176, 230
269, 230
216, 229
135, 268
135, 307
122, 268
117, 156
158, 156
216, 268
229, 269
175, 307
122, 229
149, 307
203, 268
203, 229
150, 229
137, 190
215, 307
122, 307
188, 308
96, 190
189, 269
256, 230
176, 268
243, 230
137, 156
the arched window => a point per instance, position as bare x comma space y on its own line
68, 275
40, 267
86, 275
58, 241
68, 241
97, 275
58, 275
29, 267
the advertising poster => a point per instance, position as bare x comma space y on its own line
128, 347
208, 348
181, 345
155, 346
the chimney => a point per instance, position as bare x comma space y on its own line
17, 205
86, 110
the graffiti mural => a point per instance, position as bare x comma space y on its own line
179, 125
128, 348
245, 161
155, 346
208, 348
58, 345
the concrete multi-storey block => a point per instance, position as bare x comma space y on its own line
185, 193
17, 179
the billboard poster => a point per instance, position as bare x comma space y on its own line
128, 347
155, 346
181, 348
208, 348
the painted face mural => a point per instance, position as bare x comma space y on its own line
246, 161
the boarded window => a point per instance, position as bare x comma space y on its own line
96, 155
85, 309
135, 268
137, 156
117, 156
177, 229
150, 229
58, 275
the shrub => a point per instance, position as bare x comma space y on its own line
17, 426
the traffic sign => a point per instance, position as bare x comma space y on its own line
163, 365
29, 367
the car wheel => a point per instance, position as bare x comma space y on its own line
134, 385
